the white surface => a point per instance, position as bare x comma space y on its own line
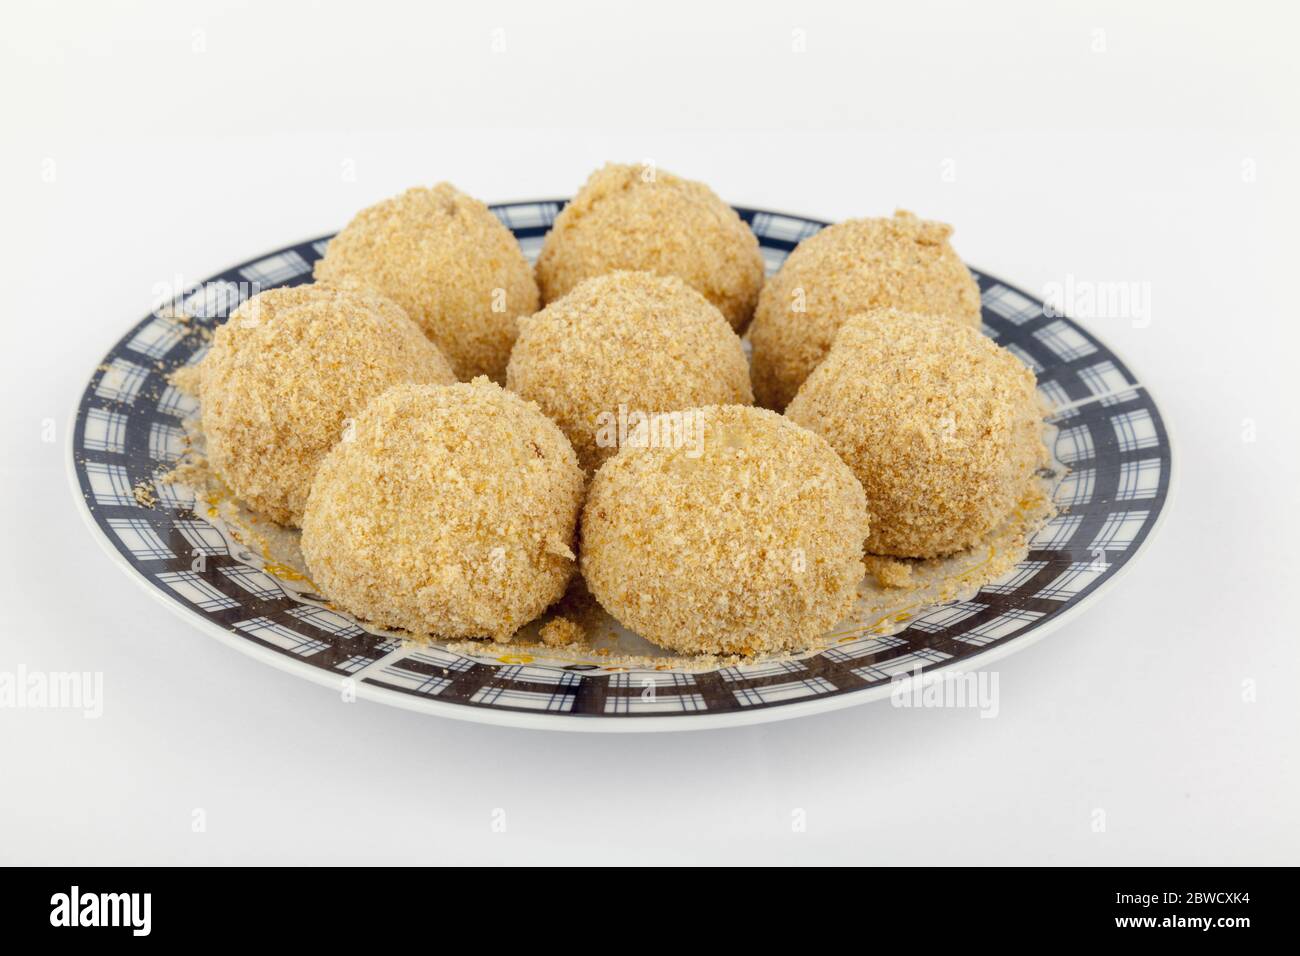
183, 141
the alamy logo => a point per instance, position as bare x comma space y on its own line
67, 690
102, 909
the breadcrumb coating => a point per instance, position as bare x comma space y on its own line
753, 546
639, 218
889, 572
451, 513
561, 632
450, 263
853, 266
633, 340
287, 372
941, 425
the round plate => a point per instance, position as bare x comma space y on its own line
127, 429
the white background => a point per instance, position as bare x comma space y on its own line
181, 140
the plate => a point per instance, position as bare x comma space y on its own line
128, 428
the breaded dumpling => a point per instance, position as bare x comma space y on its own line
942, 427
287, 372
851, 267
748, 542
640, 218
450, 263
451, 512
623, 345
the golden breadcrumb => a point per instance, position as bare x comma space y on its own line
941, 425
284, 376
641, 218
627, 340
853, 266
888, 572
447, 260
753, 546
187, 379
143, 492
561, 632
452, 512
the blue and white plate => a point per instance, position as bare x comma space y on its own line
127, 430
